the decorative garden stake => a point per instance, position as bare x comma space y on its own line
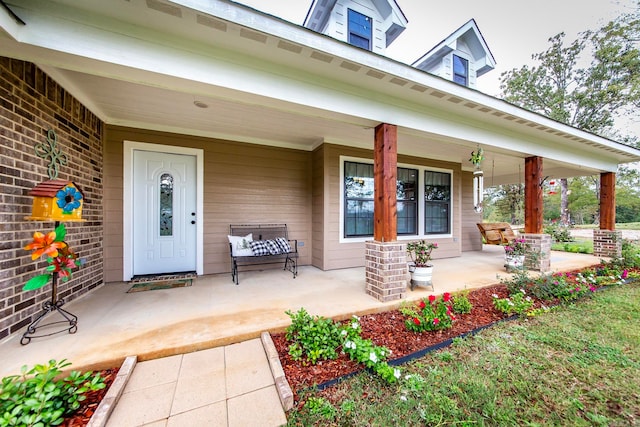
51, 152
57, 201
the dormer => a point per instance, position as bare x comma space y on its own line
462, 57
369, 24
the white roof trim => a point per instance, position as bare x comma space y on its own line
482, 53
395, 21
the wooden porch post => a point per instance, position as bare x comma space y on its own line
385, 172
386, 259
607, 242
533, 205
608, 201
538, 256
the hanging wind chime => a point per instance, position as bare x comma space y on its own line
478, 179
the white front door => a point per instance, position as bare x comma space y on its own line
164, 213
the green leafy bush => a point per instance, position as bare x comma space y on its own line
630, 254
558, 232
320, 407
38, 398
519, 280
517, 303
562, 286
430, 314
313, 337
461, 303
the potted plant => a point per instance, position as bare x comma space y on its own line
420, 267
477, 157
514, 253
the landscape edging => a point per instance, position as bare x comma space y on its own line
109, 401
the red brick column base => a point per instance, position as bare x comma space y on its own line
607, 243
539, 255
386, 270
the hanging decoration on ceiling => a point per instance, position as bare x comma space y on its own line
50, 151
478, 179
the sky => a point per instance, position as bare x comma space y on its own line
513, 29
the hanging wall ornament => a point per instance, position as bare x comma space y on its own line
50, 151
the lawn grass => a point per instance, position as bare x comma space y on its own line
619, 226
583, 246
577, 365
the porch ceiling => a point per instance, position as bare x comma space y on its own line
298, 81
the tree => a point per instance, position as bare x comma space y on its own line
588, 97
507, 203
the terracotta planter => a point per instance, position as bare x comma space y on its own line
421, 276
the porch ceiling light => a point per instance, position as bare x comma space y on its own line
200, 104
478, 190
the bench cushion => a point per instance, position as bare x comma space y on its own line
274, 248
259, 248
241, 245
285, 247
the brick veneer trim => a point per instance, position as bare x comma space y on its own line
607, 243
386, 271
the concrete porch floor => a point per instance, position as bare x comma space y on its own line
213, 312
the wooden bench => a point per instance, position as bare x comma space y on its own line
257, 244
496, 233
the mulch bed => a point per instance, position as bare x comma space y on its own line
88, 406
388, 329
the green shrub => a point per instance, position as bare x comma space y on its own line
559, 285
517, 303
630, 254
430, 314
461, 303
559, 233
314, 338
317, 338
38, 398
519, 280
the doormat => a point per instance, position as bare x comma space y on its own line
159, 284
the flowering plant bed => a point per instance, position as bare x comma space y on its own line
389, 329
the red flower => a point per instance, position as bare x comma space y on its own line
436, 320
416, 321
446, 297
42, 244
422, 304
432, 298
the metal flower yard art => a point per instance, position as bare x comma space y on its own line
54, 200
60, 257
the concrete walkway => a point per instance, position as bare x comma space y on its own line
223, 386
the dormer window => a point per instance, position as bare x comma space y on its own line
359, 30
460, 70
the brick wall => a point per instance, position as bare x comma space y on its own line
31, 103
607, 243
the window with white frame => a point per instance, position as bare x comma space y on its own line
437, 202
359, 29
460, 70
414, 219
